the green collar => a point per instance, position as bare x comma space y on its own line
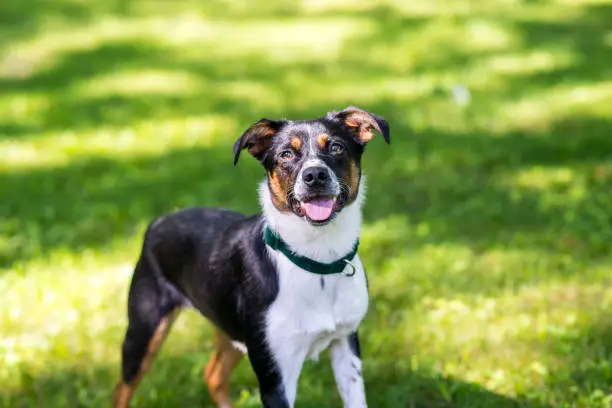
275, 242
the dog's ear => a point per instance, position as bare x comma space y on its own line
361, 124
257, 138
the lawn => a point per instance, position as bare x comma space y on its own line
488, 221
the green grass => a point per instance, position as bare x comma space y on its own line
487, 226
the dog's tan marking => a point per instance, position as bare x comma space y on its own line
296, 143
364, 131
219, 370
122, 395
352, 180
123, 391
322, 140
278, 188
363, 125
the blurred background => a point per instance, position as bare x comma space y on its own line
488, 219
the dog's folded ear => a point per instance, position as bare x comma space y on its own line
361, 124
257, 138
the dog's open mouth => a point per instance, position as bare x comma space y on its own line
319, 210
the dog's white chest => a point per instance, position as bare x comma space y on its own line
313, 310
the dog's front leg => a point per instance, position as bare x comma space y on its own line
277, 364
346, 362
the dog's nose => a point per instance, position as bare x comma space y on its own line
314, 175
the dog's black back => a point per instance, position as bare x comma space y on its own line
202, 253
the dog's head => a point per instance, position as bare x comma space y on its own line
313, 166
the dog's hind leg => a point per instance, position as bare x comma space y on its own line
152, 309
219, 370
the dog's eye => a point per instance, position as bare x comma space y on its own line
286, 155
336, 148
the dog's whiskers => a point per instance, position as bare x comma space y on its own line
289, 194
345, 187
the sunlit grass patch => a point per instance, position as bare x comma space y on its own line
23, 111
84, 302
505, 342
141, 83
147, 138
535, 61
560, 183
564, 99
543, 178
195, 35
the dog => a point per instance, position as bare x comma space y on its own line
281, 286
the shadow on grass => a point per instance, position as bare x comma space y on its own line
176, 381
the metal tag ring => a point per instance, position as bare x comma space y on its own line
353, 269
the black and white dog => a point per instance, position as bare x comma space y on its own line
281, 286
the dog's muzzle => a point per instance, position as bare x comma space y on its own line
316, 194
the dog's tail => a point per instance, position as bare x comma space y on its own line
171, 295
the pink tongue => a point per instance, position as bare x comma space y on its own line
319, 209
